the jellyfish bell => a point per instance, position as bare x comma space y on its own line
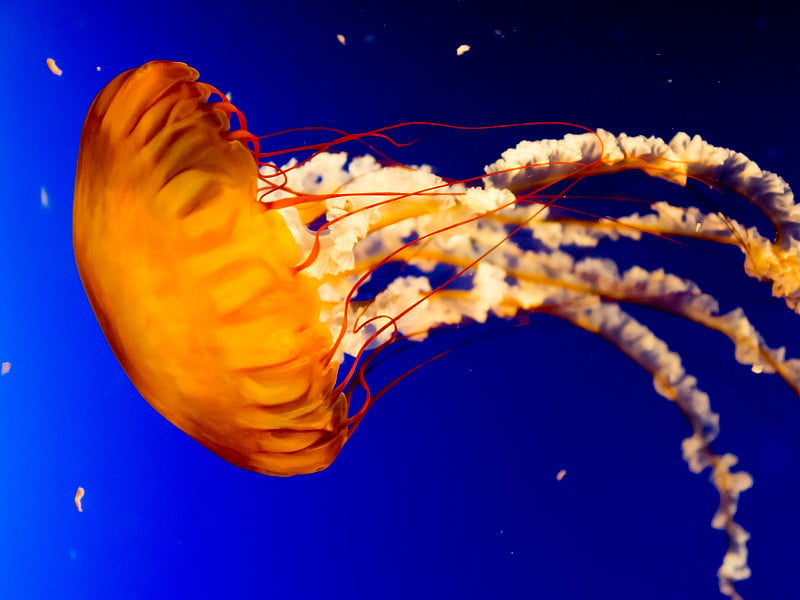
221, 337
232, 288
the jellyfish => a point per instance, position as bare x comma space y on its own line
245, 299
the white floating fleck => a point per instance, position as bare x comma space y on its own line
51, 64
560, 474
341, 39
43, 198
79, 493
462, 49
5, 368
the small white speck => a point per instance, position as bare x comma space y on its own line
462, 49
342, 39
5, 368
51, 64
79, 494
757, 368
43, 197
560, 474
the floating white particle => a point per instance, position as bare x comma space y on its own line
462, 49
43, 198
51, 64
5, 368
79, 493
341, 39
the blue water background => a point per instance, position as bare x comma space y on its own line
449, 489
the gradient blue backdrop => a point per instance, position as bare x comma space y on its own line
449, 490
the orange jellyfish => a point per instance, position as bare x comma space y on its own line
231, 288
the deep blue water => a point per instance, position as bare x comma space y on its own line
449, 489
